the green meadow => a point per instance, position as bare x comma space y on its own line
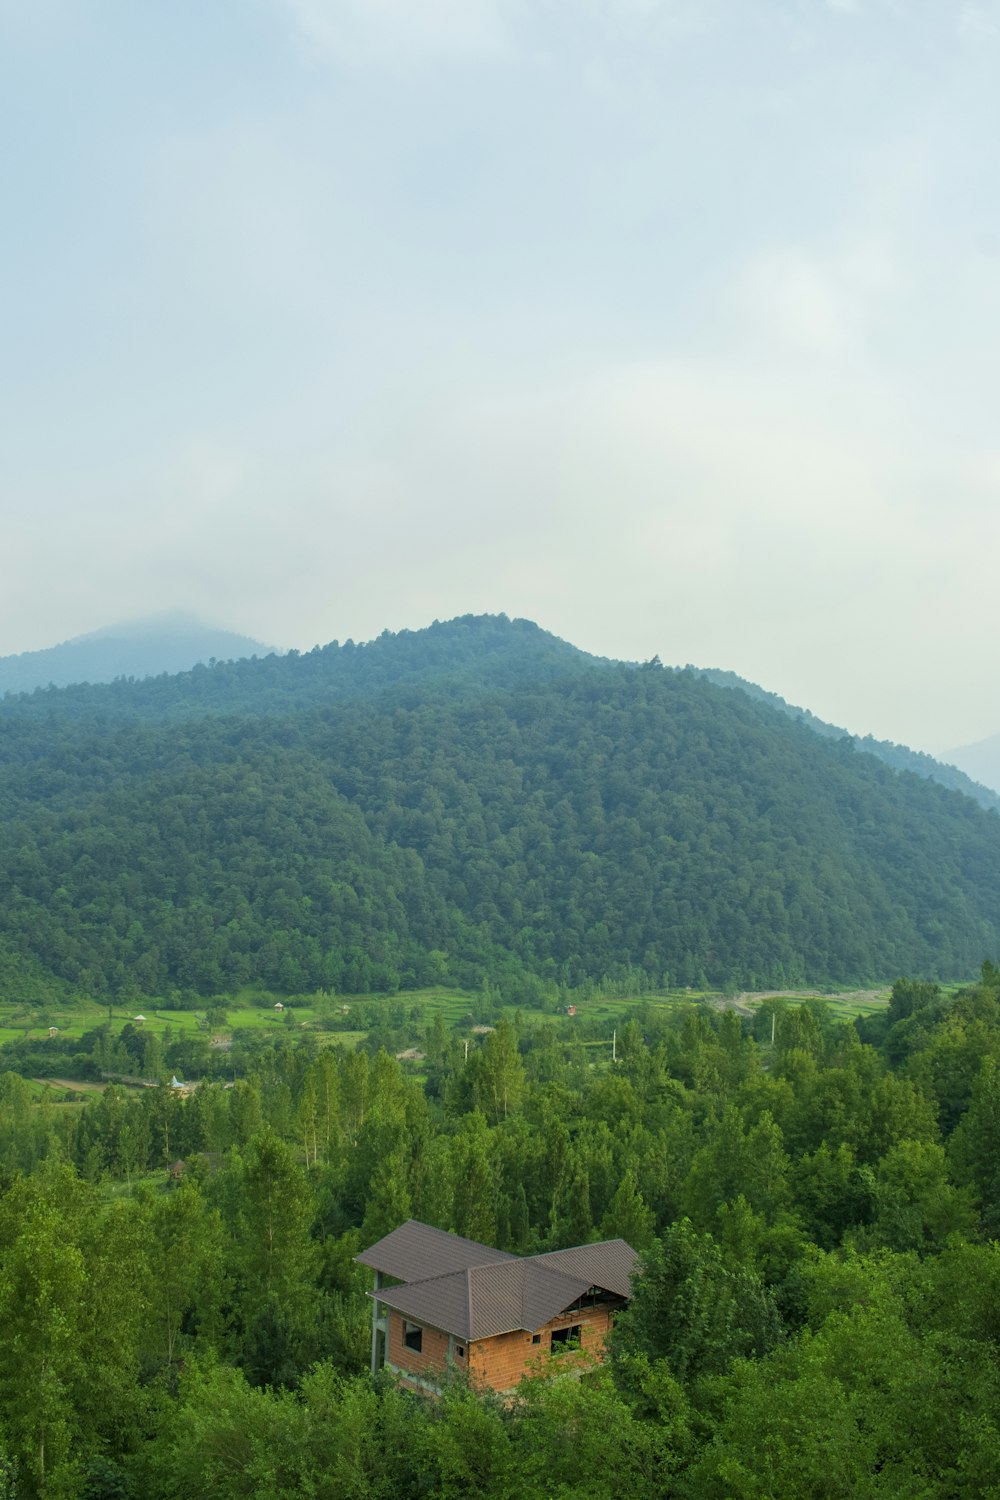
461, 1011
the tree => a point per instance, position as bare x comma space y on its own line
975, 1145
277, 1262
627, 1217
187, 1283
474, 1192
690, 1310
43, 1288
500, 1081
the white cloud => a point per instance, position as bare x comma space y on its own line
695, 508
363, 32
355, 32
979, 21
818, 304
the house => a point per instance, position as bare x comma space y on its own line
498, 1317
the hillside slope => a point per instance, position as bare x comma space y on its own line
607, 819
962, 776
467, 655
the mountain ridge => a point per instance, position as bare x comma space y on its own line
980, 760
469, 652
899, 757
546, 826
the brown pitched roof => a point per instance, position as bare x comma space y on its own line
486, 1300
608, 1264
484, 1297
415, 1251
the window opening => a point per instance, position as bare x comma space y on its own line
566, 1335
413, 1336
592, 1298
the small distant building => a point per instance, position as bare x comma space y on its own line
345, 1010
571, 1010
139, 1018
176, 1170
495, 1316
53, 1031
482, 1030
278, 1006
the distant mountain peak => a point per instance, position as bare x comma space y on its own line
164, 622
981, 761
169, 641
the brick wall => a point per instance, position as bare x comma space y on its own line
503, 1361
433, 1354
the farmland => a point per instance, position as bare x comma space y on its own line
349, 1020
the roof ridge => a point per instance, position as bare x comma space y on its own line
570, 1249
461, 1271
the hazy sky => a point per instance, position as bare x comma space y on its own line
673, 325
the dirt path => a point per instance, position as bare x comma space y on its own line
72, 1083
745, 1004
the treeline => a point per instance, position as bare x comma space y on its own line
600, 824
458, 657
899, 757
818, 1313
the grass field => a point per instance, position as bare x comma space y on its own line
253, 1018
253, 1010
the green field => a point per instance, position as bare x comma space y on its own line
253, 1010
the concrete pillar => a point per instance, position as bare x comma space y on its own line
375, 1307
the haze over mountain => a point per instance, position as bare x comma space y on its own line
504, 653
475, 802
981, 760
171, 641
961, 776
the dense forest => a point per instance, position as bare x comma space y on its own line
477, 803
816, 1202
465, 656
817, 1313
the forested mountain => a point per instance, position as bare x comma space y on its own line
969, 774
170, 642
428, 820
456, 657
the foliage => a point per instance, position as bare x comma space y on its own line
525, 819
817, 1312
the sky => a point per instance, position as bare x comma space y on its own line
673, 325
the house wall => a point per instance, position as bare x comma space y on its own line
502, 1362
433, 1355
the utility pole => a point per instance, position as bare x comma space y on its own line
614, 1045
